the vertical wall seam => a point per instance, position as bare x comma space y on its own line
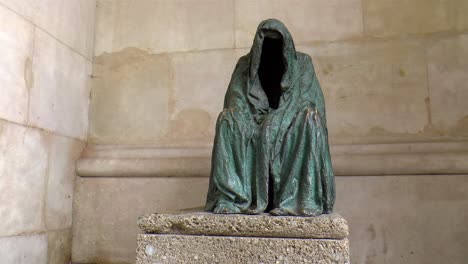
91, 76
234, 23
363, 18
429, 111
33, 50
46, 187
46, 190
426, 61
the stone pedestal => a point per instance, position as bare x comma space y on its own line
214, 238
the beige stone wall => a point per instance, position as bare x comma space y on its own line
394, 77
45, 68
390, 70
392, 219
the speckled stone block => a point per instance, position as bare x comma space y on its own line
324, 226
222, 249
214, 238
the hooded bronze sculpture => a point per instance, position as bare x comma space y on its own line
271, 150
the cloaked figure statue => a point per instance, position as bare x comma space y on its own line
271, 150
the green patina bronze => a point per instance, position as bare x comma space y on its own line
271, 149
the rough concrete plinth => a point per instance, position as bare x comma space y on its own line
212, 238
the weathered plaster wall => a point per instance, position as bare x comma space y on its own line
392, 71
46, 52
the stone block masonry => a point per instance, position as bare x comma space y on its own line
212, 238
46, 49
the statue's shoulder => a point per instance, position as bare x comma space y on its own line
242, 66
303, 58
243, 61
305, 62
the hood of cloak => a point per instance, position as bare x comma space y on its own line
299, 84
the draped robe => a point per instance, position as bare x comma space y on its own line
271, 148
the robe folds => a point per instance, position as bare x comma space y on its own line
271, 150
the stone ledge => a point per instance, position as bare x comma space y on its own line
331, 226
348, 160
215, 249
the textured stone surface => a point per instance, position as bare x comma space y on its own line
324, 226
23, 168
103, 205
15, 70
380, 73
164, 26
378, 89
212, 249
197, 102
57, 17
389, 217
23, 249
372, 89
448, 84
59, 246
353, 159
60, 181
132, 85
45, 51
308, 20
130, 88
460, 8
403, 219
401, 17
59, 97
390, 74
72, 22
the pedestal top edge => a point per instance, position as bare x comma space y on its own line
331, 226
